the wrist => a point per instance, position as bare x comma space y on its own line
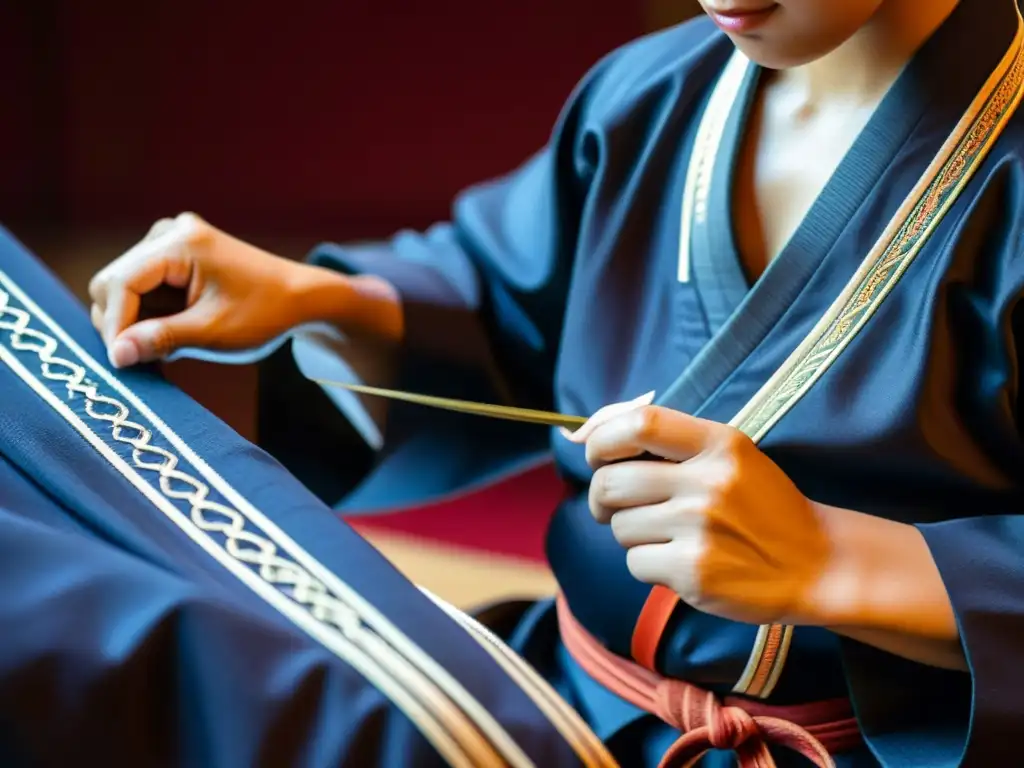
359, 305
841, 594
880, 576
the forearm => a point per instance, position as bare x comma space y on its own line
361, 305
360, 344
882, 588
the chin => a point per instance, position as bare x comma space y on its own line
774, 55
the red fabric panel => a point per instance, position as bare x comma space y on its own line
509, 518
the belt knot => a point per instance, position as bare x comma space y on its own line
690, 709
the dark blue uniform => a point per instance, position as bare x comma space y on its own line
563, 286
173, 596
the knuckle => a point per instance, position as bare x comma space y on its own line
638, 566
192, 227
177, 264
736, 444
690, 592
603, 484
619, 525
163, 340
633, 563
96, 285
114, 287
647, 421
721, 490
597, 510
678, 510
159, 227
597, 483
689, 586
728, 459
594, 493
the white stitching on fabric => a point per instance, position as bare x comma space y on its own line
260, 554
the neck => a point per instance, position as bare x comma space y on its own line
864, 67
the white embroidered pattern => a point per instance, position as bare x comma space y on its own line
210, 516
457, 738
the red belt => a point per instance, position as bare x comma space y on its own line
744, 726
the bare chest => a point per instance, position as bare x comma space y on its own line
784, 163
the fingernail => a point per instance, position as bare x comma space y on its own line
646, 399
580, 434
577, 436
124, 353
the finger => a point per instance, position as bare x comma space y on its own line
159, 228
631, 484
153, 340
160, 261
122, 310
659, 431
98, 289
655, 524
100, 282
96, 316
604, 414
665, 564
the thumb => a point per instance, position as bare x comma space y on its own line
606, 414
151, 340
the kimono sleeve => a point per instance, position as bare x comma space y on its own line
107, 657
484, 298
920, 716
915, 716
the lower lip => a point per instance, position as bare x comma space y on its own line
741, 23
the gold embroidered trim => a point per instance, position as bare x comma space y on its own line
773, 642
879, 273
350, 628
918, 216
568, 721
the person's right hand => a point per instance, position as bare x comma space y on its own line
237, 296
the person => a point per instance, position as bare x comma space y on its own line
796, 223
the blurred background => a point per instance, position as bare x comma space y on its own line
288, 123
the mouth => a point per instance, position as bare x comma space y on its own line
738, 9
739, 18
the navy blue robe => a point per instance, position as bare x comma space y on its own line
561, 285
173, 596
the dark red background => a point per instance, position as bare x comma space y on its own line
329, 117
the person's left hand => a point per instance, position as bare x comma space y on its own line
716, 520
